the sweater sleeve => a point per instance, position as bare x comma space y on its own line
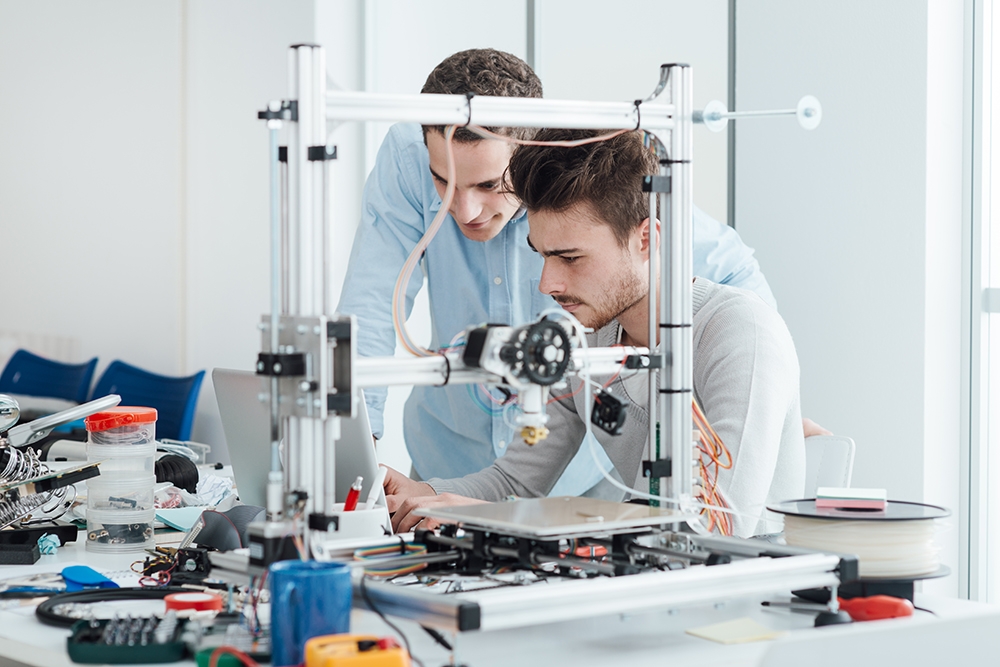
748, 386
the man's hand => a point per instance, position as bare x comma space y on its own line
404, 520
398, 484
809, 427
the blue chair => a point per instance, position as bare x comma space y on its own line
174, 398
31, 375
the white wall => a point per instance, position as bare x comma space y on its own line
589, 51
235, 61
133, 178
90, 170
857, 224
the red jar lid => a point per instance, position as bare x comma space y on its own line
119, 416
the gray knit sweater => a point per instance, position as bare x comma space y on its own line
746, 379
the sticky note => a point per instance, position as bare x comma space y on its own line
738, 631
851, 498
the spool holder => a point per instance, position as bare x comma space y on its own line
715, 116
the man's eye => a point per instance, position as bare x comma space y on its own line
570, 260
489, 187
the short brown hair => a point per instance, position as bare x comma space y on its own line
483, 72
605, 174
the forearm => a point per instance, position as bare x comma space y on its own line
527, 471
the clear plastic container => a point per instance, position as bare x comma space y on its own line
115, 531
135, 495
120, 509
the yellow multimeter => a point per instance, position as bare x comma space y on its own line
349, 650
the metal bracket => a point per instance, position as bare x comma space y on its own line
658, 468
656, 184
302, 343
323, 522
291, 364
321, 153
638, 361
289, 110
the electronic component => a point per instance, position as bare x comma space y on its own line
609, 413
127, 640
355, 651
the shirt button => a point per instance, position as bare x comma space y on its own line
503, 443
497, 280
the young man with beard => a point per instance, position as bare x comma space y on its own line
478, 268
588, 222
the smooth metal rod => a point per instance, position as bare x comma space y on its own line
431, 109
654, 283
274, 126
436, 370
749, 114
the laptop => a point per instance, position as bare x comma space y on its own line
246, 423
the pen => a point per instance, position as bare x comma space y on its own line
351, 503
376, 488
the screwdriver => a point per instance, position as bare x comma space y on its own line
870, 608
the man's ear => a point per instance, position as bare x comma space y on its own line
643, 232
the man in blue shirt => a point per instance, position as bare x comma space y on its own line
479, 268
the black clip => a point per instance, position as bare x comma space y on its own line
289, 111
321, 153
658, 468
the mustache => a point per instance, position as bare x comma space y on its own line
567, 300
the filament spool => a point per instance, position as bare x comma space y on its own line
897, 543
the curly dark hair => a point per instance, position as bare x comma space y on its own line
483, 72
606, 174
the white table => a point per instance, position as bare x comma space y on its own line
962, 633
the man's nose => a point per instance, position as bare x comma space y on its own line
466, 207
551, 283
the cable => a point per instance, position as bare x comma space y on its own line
439, 638
371, 605
373, 555
592, 440
399, 292
486, 134
47, 614
213, 660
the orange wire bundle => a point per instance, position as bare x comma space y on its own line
714, 456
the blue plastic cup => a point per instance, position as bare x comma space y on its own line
308, 599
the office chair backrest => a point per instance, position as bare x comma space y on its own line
31, 375
829, 462
174, 398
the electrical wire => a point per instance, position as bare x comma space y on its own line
371, 605
573, 143
213, 660
399, 292
593, 444
47, 611
373, 554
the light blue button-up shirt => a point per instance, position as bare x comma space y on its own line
448, 432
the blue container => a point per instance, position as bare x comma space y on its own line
308, 599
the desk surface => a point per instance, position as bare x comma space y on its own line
961, 630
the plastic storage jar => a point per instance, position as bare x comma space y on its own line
120, 509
